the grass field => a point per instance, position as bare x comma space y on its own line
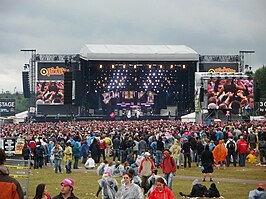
86, 182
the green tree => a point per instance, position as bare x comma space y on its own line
260, 81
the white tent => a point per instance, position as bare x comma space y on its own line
19, 117
191, 117
138, 52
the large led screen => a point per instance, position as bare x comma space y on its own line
229, 94
50, 92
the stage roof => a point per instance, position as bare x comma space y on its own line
138, 53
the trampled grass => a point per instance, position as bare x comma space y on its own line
86, 182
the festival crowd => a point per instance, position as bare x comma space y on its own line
138, 148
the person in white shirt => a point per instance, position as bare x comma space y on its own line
90, 163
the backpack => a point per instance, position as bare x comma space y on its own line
231, 145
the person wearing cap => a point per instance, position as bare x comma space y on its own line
145, 170
67, 187
10, 187
258, 193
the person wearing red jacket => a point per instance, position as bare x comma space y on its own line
161, 191
102, 146
145, 170
168, 166
242, 147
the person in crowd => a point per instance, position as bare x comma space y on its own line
41, 192
108, 186
145, 171
258, 193
152, 180
175, 150
9, 187
116, 148
198, 190
38, 152
26, 151
90, 163
207, 163
143, 147
199, 149
68, 157
219, 154
159, 151
128, 189
262, 151
169, 168
101, 167
102, 147
161, 191
123, 150
67, 187
186, 147
76, 154
231, 150
252, 140
57, 152
242, 147
84, 152
109, 145
50, 156
94, 148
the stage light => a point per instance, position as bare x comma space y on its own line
113, 66
135, 66
161, 66
101, 66
124, 66
149, 66
184, 66
171, 66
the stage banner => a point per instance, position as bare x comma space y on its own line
7, 107
53, 71
219, 67
262, 106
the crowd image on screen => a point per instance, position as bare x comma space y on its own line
230, 94
50, 92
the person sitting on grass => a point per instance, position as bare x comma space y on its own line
198, 190
90, 163
258, 193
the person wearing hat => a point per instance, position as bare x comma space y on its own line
67, 187
145, 170
258, 193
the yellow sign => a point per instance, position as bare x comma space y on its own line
221, 70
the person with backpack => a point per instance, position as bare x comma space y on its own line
231, 151
198, 190
168, 166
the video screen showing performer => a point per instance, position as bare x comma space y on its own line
230, 94
50, 92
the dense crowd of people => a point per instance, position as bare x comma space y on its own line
139, 147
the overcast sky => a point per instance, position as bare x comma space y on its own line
64, 26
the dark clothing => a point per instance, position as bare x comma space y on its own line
94, 148
160, 145
207, 157
198, 190
61, 197
116, 143
212, 192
